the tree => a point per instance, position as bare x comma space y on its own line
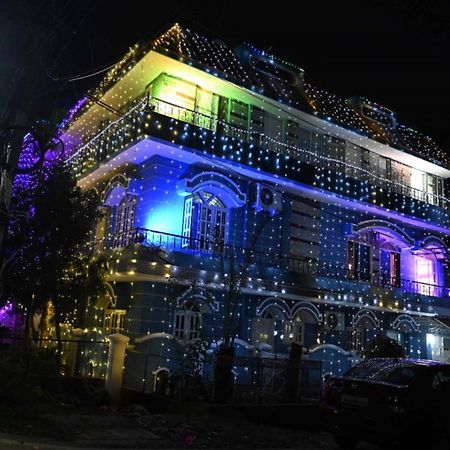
234, 268
384, 347
50, 247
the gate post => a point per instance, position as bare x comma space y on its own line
114, 372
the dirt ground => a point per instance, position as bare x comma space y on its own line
192, 426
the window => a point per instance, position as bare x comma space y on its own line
294, 331
188, 322
204, 222
402, 375
426, 275
185, 101
390, 267
125, 214
236, 114
292, 133
359, 261
114, 319
355, 339
263, 330
273, 131
102, 226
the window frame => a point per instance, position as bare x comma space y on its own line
114, 320
187, 324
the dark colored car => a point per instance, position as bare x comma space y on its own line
397, 402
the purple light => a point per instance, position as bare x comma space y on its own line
7, 315
71, 114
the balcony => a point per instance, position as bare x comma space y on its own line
182, 245
182, 249
384, 281
151, 117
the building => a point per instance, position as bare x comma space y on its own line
203, 154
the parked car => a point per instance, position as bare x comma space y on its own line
399, 402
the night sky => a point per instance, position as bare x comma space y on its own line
396, 53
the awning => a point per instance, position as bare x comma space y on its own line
439, 325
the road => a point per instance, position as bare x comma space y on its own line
317, 441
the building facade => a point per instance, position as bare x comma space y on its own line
210, 159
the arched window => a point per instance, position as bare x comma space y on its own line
266, 326
205, 221
124, 221
294, 331
116, 226
188, 322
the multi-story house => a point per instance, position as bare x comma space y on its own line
200, 151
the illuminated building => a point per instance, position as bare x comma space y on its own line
201, 151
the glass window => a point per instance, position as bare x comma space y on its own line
188, 322
426, 275
273, 131
204, 222
114, 320
395, 374
387, 370
263, 330
359, 261
292, 133
390, 267
294, 331
124, 221
355, 338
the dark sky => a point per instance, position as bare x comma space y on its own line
395, 52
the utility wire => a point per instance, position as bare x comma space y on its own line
82, 76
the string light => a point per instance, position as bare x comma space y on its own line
201, 134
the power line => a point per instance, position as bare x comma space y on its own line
83, 75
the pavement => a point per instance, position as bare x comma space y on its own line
15, 442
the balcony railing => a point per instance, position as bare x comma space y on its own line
385, 281
188, 245
139, 120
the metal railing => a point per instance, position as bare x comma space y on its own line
136, 121
189, 245
385, 281
186, 244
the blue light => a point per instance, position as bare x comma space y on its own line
166, 218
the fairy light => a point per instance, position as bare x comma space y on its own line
160, 145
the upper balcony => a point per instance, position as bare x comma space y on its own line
152, 118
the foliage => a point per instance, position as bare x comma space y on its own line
234, 268
49, 246
384, 347
195, 356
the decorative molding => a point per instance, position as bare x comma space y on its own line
203, 297
366, 314
220, 184
405, 318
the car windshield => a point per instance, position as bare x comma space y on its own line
389, 371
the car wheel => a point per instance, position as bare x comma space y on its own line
345, 441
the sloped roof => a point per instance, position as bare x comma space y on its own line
331, 107
218, 59
213, 55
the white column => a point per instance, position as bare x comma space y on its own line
114, 373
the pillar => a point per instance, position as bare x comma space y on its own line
114, 373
